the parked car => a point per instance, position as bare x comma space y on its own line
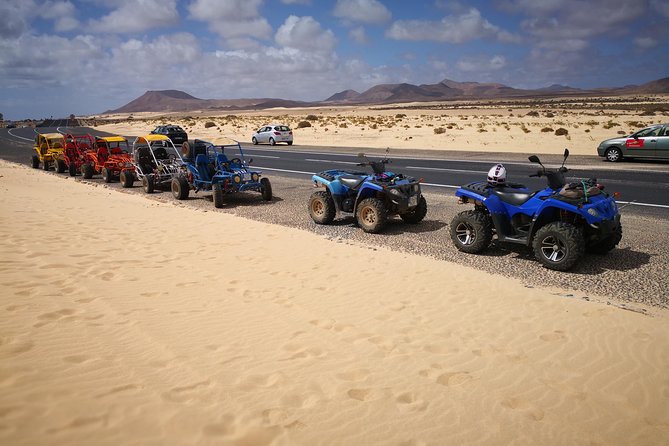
11, 125
173, 132
651, 142
272, 134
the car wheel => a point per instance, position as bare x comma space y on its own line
106, 175
35, 161
558, 245
60, 166
417, 214
471, 231
148, 184
266, 189
614, 154
604, 246
322, 208
218, 195
254, 141
272, 142
371, 215
46, 165
87, 171
127, 178
180, 188
290, 143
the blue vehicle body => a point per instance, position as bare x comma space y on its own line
560, 222
208, 168
370, 197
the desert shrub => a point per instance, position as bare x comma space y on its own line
587, 130
525, 129
303, 124
592, 123
439, 130
611, 124
550, 115
374, 126
312, 118
209, 124
400, 116
343, 125
449, 127
482, 131
561, 131
635, 124
622, 132
533, 113
547, 129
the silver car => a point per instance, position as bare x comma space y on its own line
651, 142
272, 134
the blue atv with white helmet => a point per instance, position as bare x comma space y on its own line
371, 198
560, 222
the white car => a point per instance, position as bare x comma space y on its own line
272, 134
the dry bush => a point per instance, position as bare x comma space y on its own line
343, 125
550, 115
611, 124
303, 124
400, 116
525, 129
622, 132
439, 130
311, 118
547, 130
533, 113
209, 124
561, 131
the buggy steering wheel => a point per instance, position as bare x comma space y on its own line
171, 157
235, 161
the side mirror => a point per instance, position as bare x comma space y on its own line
534, 159
566, 153
250, 160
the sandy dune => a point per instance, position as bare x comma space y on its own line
524, 127
130, 321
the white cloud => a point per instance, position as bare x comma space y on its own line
451, 29
645, 42
305, 33
136, 16
660, 6
296, 2
481, 64
232, 19
15, 17
358, 35
362, 11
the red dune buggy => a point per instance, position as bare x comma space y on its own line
110, 158
74, 154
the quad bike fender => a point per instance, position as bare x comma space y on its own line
367, 190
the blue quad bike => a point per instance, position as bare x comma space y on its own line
371, 198
207, 168
560, 222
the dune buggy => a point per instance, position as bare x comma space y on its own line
207, 168
76, 147
109, 157
156, 161
49, 148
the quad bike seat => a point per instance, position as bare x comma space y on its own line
350, 181
512, 195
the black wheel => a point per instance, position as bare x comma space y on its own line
218, 195
148, 184
72, 169
290, 143
417, 214
87, 171
272, 142
127, 178
604, 246
254, 141
35, 161
266, 189
180, 188
558, 245
471, 231
106, 175
322, 208
45, 166
60, 166
371, 215
614, 154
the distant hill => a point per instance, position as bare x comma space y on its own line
178, 101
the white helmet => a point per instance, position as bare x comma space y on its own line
497, 175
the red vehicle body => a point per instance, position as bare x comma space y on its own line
110, 158
74, 154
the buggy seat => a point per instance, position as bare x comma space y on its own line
204, 167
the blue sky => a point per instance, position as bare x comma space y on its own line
84, 57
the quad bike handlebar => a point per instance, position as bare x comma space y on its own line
555, 178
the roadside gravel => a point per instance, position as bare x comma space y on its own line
636, 272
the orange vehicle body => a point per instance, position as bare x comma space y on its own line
74, 154
109, 158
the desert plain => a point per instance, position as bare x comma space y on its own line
129, 320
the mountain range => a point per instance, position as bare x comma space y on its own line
178, 101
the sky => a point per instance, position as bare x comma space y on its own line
88, 56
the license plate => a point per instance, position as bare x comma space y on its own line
413, 201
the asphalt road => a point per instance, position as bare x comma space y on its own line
634, 272
644, 184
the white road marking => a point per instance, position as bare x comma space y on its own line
17, 136
330, 161
267, 156
438, 169
633, 203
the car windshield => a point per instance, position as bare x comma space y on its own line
175, 129
653, 131
162, 150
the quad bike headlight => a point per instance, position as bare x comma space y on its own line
593, 212
254, 176
237, 179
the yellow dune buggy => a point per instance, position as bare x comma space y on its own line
49, 148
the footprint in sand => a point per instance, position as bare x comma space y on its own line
222, 428
453, 379
53, 316
365, 394
76, 359
409, 402
557, 335
186, 393
525, 407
